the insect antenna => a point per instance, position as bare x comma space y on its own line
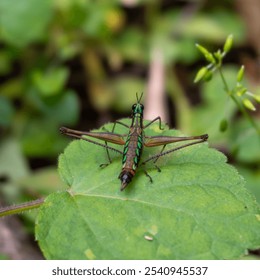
139, 99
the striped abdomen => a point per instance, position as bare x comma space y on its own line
131, 156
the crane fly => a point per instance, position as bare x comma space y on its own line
134, 142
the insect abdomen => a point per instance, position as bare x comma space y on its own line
131, 157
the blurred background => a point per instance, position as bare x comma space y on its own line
79, 63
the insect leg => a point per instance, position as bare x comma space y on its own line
154, 120
158, 157
118, 122
202, 139
108, 155
113, 129
147, 175
154, 141
107, 137
156, 166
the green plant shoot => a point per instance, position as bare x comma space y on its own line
243, 98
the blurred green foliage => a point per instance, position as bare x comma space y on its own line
62, 59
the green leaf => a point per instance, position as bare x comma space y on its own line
98, 23
129, 44
62, 108
214, 26
51, 82
196, 207
41, 139
24, 21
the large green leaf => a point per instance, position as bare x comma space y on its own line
196, 208
24, 21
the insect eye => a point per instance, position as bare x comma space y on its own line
142, 106
134, 106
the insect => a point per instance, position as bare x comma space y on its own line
134, 142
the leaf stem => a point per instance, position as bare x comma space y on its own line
16, 209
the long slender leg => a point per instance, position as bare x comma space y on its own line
107, 150
147, 175
118, 122
108, 156
158, 169
156, 166
157, 156
160, 152
113, 129
173, 150
154, 120
153, 141
79, 135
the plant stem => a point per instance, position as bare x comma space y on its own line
16, 209
241, 108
